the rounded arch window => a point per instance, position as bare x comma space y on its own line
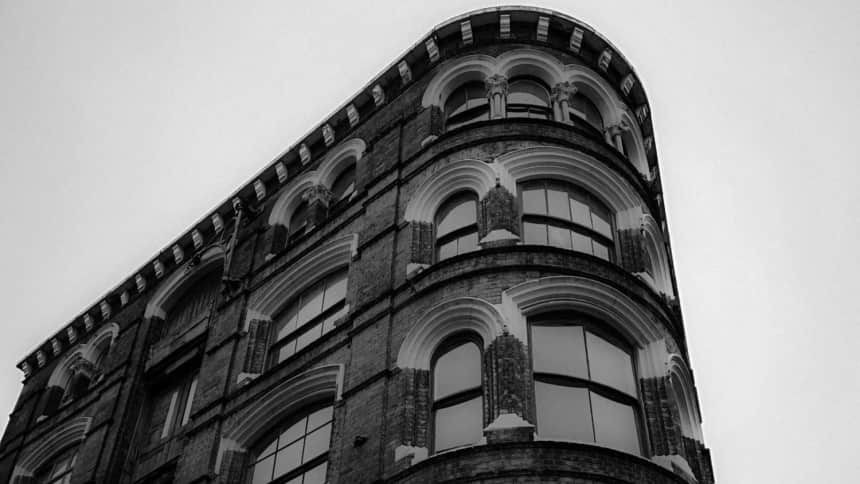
297, 451
457, 226
59, 469
467, 104
562, 215
194, 305
528, 98
344, 185
585, 383
458, 402
299, 220
583, 110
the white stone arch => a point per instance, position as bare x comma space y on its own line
530, 62
346, 154
93, 351
445, 319
278, 403
634, 147
41, 451
682, 390
465, 175
334, 255
62, 374
288, 201
551, 162
656, 250
594, 298
172, 288
595, 88
454, 74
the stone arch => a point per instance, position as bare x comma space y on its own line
656, 250
592, 86
89, 354
683, 390
171, 289
445, 319
634, 147
288, 201
465, 175
339, 159
66, 435
286, 398
453, 74
530, 62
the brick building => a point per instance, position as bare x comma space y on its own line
463, 275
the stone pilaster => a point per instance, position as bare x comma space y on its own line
497, 94
507, 380
498, 218
422, 246
634, 257
561, 94
258, 346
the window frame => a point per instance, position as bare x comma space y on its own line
449, 344
601, 330
470, 114
338, 203
543, 112
450, 204
582, 121
44, 475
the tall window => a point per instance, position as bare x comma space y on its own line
170, 407
299, 220
457, 226
582, 109
458, 403
585, 384
59, 470
528, 98
564, 216
194, 306
343, 186
309, 316
467, 104
299, 452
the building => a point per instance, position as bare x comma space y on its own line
463, 275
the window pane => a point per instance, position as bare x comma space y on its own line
581, 212
189, 401
559, 237
286, 351
459, 424
448, 250
319, 417
461, 215
287, 321
615, 424
563, 412
467, 243
316, 475
559, 350
288, 459
558, 204
269, 449
317, 443
534, 233
610, 365
296, 431
328, 324
581, 243
534, 201
171, 412
311, 304
344, 184
527, 92
309, 336
335, 291
263, 470
457, 370
600, 250
601, 225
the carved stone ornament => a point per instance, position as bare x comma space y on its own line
496, 84
563, 91
317, 193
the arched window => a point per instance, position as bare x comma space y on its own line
194, 305
343, 186
585, 383
298, 454
467, 104
299, 221
59, 469
562, 215
458, 403
528, 98
582, 109
309, 315
457, 226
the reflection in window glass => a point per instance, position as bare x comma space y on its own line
459, 424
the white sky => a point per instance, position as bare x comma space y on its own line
123, 123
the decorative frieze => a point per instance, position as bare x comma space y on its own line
140, 283
328, 134
105, 309
217, 223
432, 49
542, 29
259, 190
178, 254
304, 154
604, 59
352, 114
628, 83
505, 26
281, 171
576, 39
158, 267
378, 95
197, 239
405, 72
466, 32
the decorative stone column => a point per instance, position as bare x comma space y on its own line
560, 96
318, 198
613, 135
497, 94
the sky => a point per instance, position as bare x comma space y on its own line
123, 123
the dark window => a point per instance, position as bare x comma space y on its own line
170, 407
59, 470
564, 216
582, 109
343, 186
194, 306
528, 98
299, 221
309, 315
585, 384
458, 403
457, 226
299, 452
467, 104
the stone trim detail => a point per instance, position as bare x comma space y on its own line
498, 216
422, 247
631, 245
258, 346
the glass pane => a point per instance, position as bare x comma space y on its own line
559, 237
563, 412
461, 215
601, 225
581, 243
311, 304
468, 243
298, 220
534, 201
309, 336
287, 321
335, 291
295, 480
448, 250
269, 449
534, 233
615, 424
319, 417
263, 470
600, 250
296, 431
527, 92
457, 370
317, 442
459, 424
559, 350
343, 184
558, 204
286, 351
288, 459
316, 475
610, 365
581, 212
328, 324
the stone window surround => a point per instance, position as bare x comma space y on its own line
42, 451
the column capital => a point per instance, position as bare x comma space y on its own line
563, 91
496, 84
316, 193
617, 129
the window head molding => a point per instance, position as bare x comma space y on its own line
171, 289
463, 314
286, 398
656, 249
683, 391
269, 299
91, 352
67, 435
459, 176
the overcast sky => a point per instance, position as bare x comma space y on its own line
123, 123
